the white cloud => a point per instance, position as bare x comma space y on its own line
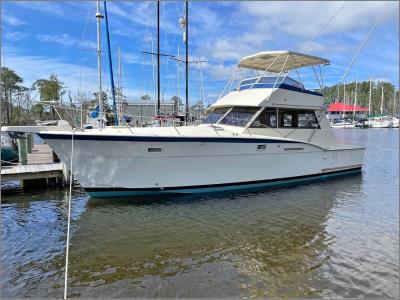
65, 9
14, 35
66, 40
306, 18
63, 39
284, 24
143, 14
131, 58
10, 19
253, 26
220, 71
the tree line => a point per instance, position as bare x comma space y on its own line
346, 93
18, 107
16, 104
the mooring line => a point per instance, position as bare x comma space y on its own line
69, 217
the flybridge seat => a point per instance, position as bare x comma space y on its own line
271, 82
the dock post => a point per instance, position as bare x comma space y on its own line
22, 143
29, 142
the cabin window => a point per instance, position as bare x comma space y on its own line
307, 119
266, 119
290, 118
239, 116
215, 115
287, 118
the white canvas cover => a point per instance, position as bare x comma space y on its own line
275, 60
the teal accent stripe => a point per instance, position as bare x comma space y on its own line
226, 188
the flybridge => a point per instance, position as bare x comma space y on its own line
275, 67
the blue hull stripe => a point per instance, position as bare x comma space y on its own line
182, 139
236, 186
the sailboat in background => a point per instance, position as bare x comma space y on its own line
381, 120
395, 117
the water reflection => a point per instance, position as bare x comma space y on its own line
254, 244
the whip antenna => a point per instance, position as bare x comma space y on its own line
364, 42
322, 29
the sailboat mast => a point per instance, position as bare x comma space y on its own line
382, 101
187, 61
370, 97
337, 93
110, 66
355, 101
344, 100
158, 58
177, 83
99, 17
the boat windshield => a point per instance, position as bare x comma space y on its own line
215, 115
239, 116
268, 82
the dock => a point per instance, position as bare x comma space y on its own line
42, 168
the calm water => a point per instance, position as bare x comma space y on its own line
338, 238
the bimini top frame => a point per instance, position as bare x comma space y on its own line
277, 62
280, 61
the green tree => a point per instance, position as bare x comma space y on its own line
51, 90
107, 109
145, 98
10, 86
335, 93
177, 103
104, 97
197, 110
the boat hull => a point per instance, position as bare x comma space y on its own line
108, 167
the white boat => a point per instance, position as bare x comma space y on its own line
343, 124
380, 122
269, 131
395, 122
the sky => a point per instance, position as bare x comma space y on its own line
40, 38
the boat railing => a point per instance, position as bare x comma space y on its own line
54, 109
74, 115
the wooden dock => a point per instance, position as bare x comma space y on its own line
40, 169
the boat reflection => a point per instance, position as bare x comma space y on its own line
256, 244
